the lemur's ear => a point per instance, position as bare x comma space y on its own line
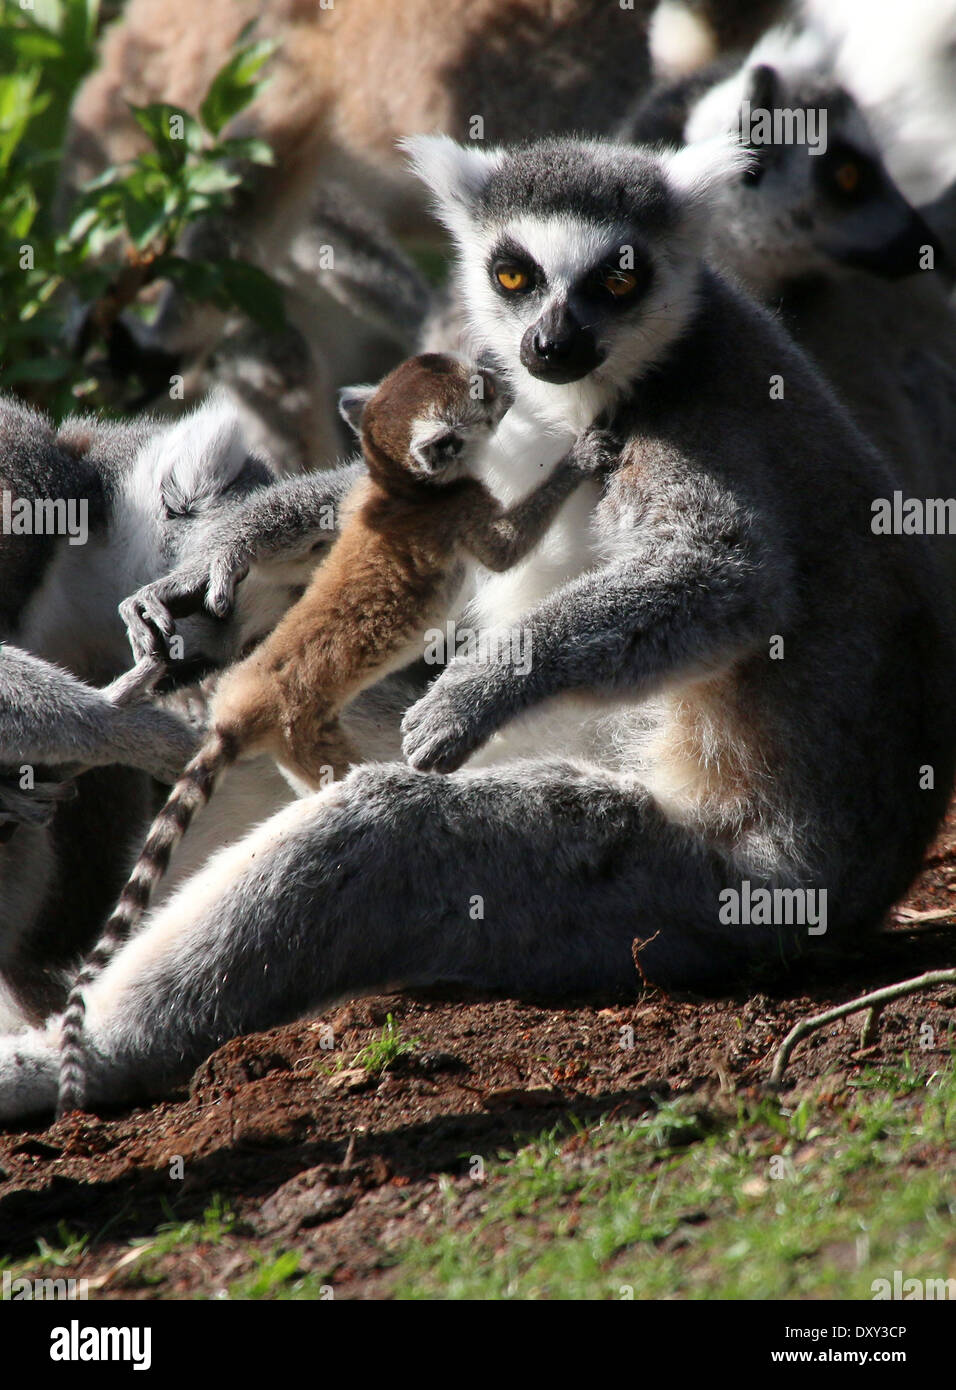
698, 173
435, 447
352, 403
455, 174
764, 88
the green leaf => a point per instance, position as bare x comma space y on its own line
171, 131
81, 225
208, 177
253, 151
143, 212
17, 105
18, 212
80, 23
35, 46
234, 87
114, 174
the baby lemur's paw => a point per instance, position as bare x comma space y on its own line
596, 449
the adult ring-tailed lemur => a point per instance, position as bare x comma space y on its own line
735, 684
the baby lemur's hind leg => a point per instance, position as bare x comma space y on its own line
318, 751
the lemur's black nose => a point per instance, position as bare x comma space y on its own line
550, 348
558, 348
553, 336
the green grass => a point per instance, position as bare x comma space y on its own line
277, 1278
378, 1055
685, 1204
745, 1199
375, 1057
68, 1249
276, 1275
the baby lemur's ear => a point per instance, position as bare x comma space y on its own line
435, 447
352, 403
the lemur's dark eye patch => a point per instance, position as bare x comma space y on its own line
846, 174
619, 283
513, 272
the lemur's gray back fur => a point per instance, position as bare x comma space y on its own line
690, 754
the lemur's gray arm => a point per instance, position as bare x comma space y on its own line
49, 719
293, 519
501, 537
687, 601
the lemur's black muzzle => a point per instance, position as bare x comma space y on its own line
558, 348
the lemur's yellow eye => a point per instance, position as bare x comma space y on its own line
848, 177
619, 282
509, 277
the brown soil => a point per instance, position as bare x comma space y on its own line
344, 1168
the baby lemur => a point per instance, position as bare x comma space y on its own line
394, 569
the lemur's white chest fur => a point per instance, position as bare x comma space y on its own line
522, 453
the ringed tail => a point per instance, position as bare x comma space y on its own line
190, 794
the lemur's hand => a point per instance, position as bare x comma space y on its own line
150, 613
459, 712
596, 449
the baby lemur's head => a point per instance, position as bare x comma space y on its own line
424, 422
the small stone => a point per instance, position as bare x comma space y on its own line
351, 1079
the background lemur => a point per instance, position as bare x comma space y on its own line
54, 811
392, 571
699, 753
900, 63
829, 242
